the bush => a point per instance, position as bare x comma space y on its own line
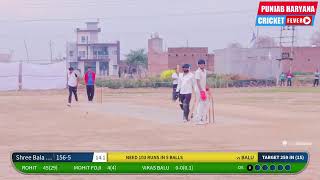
153, 82
218, 81
213, 81
302, 73
167, 74
113, 84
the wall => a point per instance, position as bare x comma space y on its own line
113, 57
83, 48
9, 76
259, 63
72, 47
157, 59
306, 59
80, 34
46, 76
157, 62
33, 76
5, 57
190, 55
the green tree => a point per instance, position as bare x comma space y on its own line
137, 61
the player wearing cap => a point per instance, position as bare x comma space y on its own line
185, 88
201, 92
72, 85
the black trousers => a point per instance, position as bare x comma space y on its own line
185, 101
316, 82
74, 91
174, 93
289, 82
282, 82
90, 92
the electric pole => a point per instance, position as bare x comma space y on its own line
50, 45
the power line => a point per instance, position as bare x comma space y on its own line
239, 12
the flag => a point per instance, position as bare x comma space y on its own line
253, 40
254, 37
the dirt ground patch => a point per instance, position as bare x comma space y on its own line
146, 119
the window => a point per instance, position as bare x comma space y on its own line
82, 54
71, 53
104, 68
104, 51
83, 39
74, 65
285, 55
115, 67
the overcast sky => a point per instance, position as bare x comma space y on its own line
208, 23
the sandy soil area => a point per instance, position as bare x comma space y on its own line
146, 119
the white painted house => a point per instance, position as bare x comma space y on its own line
104, 58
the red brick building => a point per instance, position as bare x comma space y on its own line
189, 55
306, 59
160, 60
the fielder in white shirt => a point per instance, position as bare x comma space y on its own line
175, 78
72, 85
185, 89
201, 93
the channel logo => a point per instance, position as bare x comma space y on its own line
285, 13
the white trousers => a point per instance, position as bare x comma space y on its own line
202, 107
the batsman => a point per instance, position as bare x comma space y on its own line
202, 93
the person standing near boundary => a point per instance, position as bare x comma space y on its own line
282, 79
89, 79
289, 78
185, 88
201, 93
73, 82
175, 78
316, 78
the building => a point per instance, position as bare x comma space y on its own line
265, 62
88, 51
160, 60
5, 55
259, 63
305, 59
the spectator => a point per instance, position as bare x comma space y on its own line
282, 79
316, 78
289, 78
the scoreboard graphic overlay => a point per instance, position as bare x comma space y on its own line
160, 162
